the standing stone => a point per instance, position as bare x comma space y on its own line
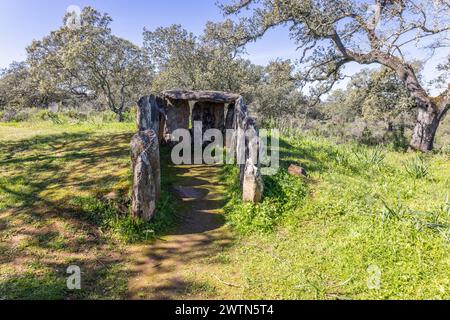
229, 120
219, 116
253, 186
197, 113
177, 115
145, 160
212, 115
148, 114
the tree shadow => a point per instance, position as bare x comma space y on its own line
43, 232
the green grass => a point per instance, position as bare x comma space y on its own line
53, 181
318, 238
105, 215
311, 238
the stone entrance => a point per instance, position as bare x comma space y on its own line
159, 117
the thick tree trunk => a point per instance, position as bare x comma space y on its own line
430, 113
425, 130
431, 110
428, 120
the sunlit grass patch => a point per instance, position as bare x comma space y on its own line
44, 169
360, 208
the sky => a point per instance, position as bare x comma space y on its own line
22, 21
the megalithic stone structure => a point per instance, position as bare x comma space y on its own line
145, 158
159, 116
151, 115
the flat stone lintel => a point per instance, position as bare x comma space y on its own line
204, 96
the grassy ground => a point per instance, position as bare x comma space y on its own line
363, 215
54, 211
366, 224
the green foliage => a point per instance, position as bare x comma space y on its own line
369, 157
282, 193
188, 62
359, 209
30, 286
418, 167
89, 63
276, 97
399, 140
106, 216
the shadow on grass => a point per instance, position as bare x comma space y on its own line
50, 190
44, 233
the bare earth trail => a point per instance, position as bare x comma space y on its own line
164, 270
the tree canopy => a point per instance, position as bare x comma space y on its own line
331, 34
89, 62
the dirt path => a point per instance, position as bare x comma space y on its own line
159, 271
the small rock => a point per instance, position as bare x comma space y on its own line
112, 196
297, 171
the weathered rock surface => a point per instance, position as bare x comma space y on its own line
229, 119
298, 171
253, 186
212, 115
178, 113
151, 115
208, 96
145, 159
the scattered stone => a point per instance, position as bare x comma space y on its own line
295, 170
112, 196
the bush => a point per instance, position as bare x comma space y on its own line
417, 168
399, 140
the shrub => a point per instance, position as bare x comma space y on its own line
399, 140
417, 168
369, 157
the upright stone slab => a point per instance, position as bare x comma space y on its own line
247, 151
151, 115
212, 115
178, 114
253, 186
145, 160
240, 126
229, 120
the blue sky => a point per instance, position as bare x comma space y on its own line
21, 21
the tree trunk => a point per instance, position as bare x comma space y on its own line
429, 114
428, 120
425, 130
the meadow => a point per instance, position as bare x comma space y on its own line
367, 223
